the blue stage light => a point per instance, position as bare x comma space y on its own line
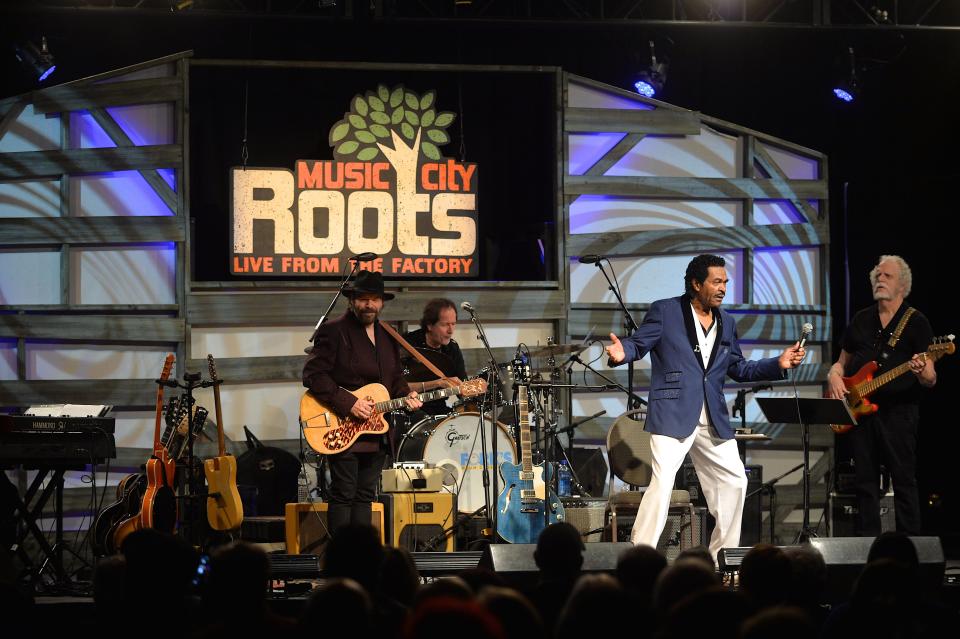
843, 94
644, 88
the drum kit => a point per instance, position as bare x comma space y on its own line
452, 440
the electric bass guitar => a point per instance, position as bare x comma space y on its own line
224, 508
527, 490
863, 384
329, 433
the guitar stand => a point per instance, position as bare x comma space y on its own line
31, 512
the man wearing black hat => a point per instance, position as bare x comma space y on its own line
350, 352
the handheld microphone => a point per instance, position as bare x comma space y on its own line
590, 259
467, 306
364, 257
805, 335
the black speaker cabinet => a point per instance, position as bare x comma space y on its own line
306, 527
515, 563
420, 521
846, 556
845, 511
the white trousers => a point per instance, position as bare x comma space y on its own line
722, 480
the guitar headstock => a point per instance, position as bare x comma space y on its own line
942, 345
473, 387
521, 371
167, 367
212, 367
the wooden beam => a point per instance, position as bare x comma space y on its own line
45, 164
74, 97
93, 328
756, 323
695, 240
805, 374
690, 188
245, 370
152, 176
615, 154
125, 393
657, 121
90, 231
768, 164
10, 116
302, 308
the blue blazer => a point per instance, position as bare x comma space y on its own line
679, 382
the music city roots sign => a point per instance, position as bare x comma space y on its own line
388, 191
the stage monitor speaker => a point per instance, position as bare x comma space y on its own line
591, 469
420, 521
306, 527
846, 556
515, 562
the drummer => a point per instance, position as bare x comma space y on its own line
435, 340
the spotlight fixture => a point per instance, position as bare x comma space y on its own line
652, 79
847, 88
38, 60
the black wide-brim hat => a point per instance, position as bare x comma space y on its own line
367, 282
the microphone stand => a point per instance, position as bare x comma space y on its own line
632, 398
492, 386
767, 488
333, 302
629, 326
555, 434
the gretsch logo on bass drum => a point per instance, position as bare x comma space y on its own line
453, 437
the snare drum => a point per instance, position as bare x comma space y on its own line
453, 443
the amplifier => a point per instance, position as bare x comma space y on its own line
845, 511
586, 514
405, 480
750, 530
306, 527
679, 533
420, 521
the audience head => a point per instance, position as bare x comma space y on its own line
517, 616
559, 552
355, 552
344, 598
765, 575
699, 552
779, 622
238, 578
684, 577
638, 569
443, 617
399, 578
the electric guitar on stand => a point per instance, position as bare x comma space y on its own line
862, 384
224, 508
527, 490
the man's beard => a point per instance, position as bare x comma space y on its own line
882, 294
365, 317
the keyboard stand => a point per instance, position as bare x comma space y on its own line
31, 508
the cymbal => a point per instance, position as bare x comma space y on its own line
556, 349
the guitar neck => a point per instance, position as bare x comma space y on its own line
526, 457
870, 386
394, 404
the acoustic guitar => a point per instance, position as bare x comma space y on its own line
224, 508
129, 497
159, 476
862, 384
527, 491
329, 433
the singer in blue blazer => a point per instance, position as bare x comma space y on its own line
679, 382
693, 347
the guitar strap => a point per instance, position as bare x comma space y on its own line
406, 345
902, 324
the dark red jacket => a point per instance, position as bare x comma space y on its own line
343, 359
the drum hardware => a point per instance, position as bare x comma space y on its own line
552, 350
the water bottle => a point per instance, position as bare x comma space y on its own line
563, 479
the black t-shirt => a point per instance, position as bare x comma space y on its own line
447, 358
867, 341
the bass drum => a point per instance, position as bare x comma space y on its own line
453, 443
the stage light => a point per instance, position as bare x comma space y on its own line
38, 60
847, 88
652, 79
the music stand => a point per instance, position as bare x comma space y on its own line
806, 411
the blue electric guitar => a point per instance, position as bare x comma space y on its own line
526, 488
